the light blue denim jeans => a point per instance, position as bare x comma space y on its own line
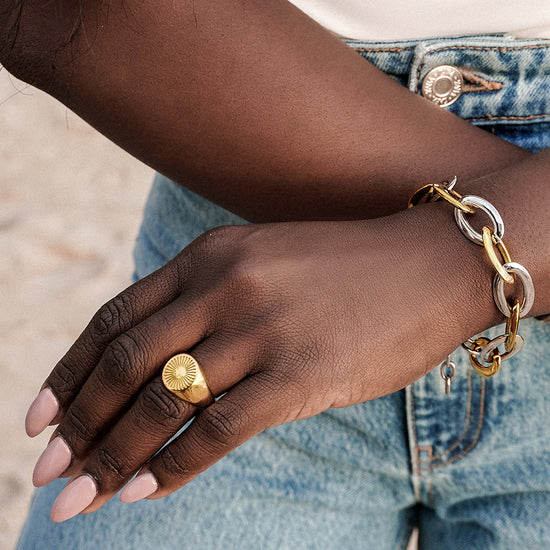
472, 469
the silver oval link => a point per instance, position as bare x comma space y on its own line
469, 345
452, 183
528, 289
487, 349
447, 371
485, 206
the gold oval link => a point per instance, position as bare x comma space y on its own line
489, 242
452, 197
489, 371
473, 351
502, 249
423, 195
512, 324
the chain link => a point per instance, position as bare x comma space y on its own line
512, 325
484, 354
528, 290
490, 240
447, 370
485, 206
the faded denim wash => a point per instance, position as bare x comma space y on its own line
472, 470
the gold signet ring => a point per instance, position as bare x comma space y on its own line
183, 376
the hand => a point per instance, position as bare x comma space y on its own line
286, 321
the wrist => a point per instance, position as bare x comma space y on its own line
459, 291
470, 211
521, 194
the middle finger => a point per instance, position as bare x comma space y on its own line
155, 417
131, 361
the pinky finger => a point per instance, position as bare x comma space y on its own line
243, 412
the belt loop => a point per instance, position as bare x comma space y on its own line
474, 77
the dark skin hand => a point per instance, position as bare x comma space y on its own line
318, 314
322, 314
287, 320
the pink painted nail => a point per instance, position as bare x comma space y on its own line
41, 412
140, 487
76, 496
52, 462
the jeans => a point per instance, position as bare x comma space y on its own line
471, 469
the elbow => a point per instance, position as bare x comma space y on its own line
34, 34
11, 40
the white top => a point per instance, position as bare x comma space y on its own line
402, 19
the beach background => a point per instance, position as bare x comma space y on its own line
70, 206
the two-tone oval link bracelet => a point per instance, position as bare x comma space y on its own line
485, 355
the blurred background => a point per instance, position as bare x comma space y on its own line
70, 205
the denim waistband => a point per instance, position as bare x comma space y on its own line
505, 80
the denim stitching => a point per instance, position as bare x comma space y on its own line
501, 49
505, 117
476, 437
384, 49
428, 449
415, 459
431, 497
483, 85
466, 422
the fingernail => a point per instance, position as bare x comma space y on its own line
140, 487
41, 412
52, 462
76, 496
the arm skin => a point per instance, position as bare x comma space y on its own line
249, 103
319, 314
349, 311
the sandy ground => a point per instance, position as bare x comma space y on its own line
70, 204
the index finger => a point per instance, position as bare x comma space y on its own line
114, 318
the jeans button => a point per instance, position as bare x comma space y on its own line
443, 85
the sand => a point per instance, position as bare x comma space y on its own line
70, 204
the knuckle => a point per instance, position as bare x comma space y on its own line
218, 427
160, 407
222, 242
245, 274
211, 241
247, 282
77, 429
173, 464
63, 380
217, 234
111, 319
124, 362
108, 467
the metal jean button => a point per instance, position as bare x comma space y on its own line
443, 85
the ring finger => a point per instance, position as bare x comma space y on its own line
130, 361
155, 417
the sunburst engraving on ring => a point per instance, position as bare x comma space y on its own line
180, 372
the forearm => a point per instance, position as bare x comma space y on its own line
252, 105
